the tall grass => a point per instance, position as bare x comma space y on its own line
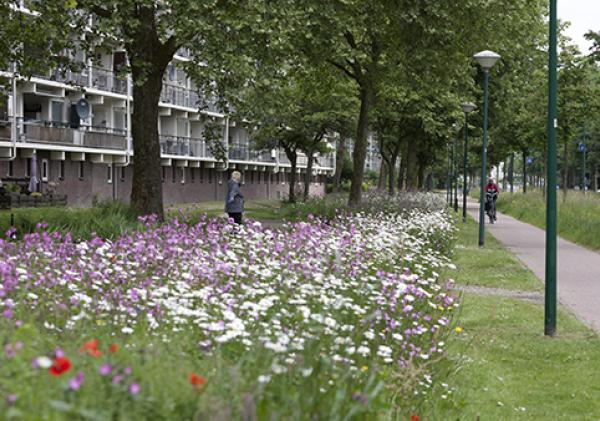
578, 214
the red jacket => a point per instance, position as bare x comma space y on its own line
491, 188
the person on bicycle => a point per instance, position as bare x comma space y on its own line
492, 189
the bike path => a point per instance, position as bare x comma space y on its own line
578, 269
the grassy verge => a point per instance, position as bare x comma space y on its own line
507, 368
492, 266
578, 215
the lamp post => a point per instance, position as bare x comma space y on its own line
467, 107
486, 60
551, 214
456, 127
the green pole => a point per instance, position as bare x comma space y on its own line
551, 214
455, 170
486, 82
465, 157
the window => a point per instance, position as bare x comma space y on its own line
174, 173
201, 175
122, 173
251, 177
28, 167
45, 170
258, 177
57, 111
209, 176
61, 170
192, 174
109, 173
81, 170
11, 169
266, 177
164, 174
182, 175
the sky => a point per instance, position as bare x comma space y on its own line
583, 15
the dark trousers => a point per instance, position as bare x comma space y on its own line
236, 216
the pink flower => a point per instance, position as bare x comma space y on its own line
76, 382
134, 388
105, 369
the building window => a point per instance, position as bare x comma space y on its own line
45, 170
258, 177
81, 171
164, 174
201, 175
173, 173
193, 174
11, 169
251, 177
109, 173
61, 170
28, 168
266, 177
209, 176
122, 173
182, 175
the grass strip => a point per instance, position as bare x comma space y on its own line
507, 369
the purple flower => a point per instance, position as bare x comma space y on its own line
59, 353
117, 379
11, 399
127, 371
76, 382
9, 351
105, 369
134, 388
8, 313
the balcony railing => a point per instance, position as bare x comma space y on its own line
184, 146
67, 76
109, 80
244, 153
61, 134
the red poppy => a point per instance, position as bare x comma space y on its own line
113, 348
197, 381
415, 418
59, 366
91, 348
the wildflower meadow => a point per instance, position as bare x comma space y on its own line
338, 318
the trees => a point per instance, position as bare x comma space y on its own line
297, 107
215, 32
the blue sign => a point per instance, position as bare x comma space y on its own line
529, 160
582, 147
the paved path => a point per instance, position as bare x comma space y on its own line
578, 267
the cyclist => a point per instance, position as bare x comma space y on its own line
492, 191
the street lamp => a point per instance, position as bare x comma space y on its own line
486, 60
467, 107
456, 127
551, 213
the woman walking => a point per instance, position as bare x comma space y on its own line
234, 202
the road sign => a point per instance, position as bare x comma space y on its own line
529, 160
581, 147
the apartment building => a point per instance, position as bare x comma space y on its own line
92, 158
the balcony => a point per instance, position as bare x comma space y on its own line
86, 136
244, 153
67, 77
184, 146
108, 80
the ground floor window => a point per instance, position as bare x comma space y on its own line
122, 173
109, 173
164, 174
81, 170
182, 175
28, 167
192, 174
11, 169
45, 170
61, 170
173, 174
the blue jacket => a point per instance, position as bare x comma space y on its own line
234, 202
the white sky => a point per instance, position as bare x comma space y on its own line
583, 15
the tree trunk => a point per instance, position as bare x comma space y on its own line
421, 176
402, 171
293, 157
340, 154
393, 160
309, 166
383, 174
360, 144
146, 188
411, 167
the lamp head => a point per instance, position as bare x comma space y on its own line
468, 107
486, 59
